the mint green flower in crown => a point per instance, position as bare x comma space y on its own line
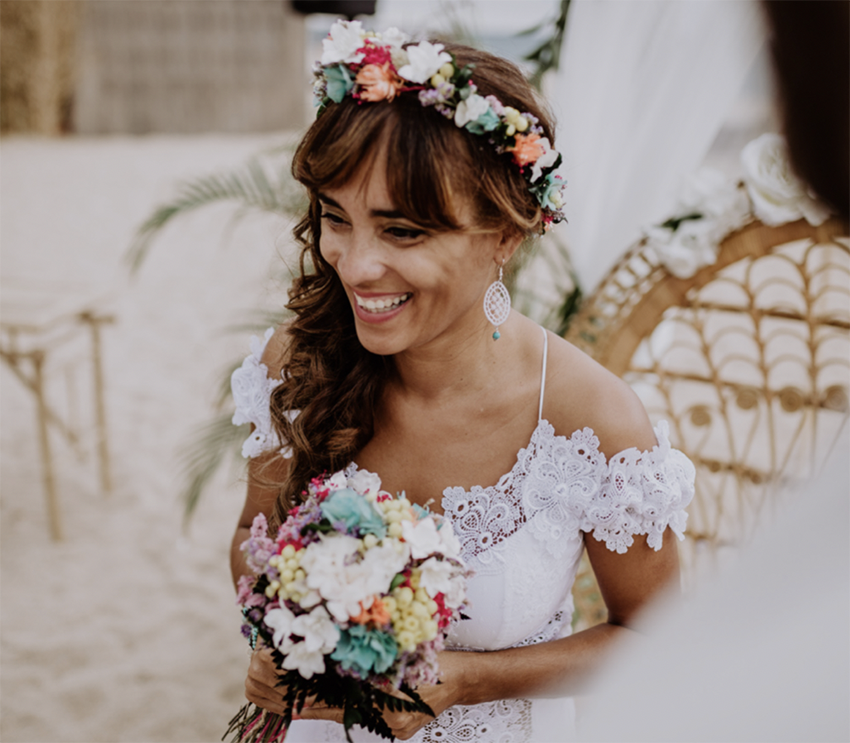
365, 651
349, 508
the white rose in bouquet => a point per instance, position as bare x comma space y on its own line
778, 195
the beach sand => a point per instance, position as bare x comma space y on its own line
126, 630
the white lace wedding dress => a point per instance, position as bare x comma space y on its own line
523, 537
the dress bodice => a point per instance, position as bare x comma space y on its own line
523, 537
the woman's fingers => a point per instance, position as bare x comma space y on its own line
334, 714
262, 667
261, 683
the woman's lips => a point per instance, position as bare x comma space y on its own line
379, 307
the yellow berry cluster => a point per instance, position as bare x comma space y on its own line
288, 564
516, 121
444, 73
412, 611
396, 511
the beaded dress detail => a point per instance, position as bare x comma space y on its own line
523, 538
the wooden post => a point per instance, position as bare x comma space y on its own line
94, 324
53, 514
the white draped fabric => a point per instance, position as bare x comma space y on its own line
643, 89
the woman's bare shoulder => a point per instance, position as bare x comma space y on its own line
582, 393
277, 349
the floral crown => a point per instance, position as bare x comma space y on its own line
370, 66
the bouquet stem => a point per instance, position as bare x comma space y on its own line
253, 724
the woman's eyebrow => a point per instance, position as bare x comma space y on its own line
327, 200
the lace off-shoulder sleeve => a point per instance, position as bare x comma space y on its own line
641, 493
252, 390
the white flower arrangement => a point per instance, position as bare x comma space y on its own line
711, 207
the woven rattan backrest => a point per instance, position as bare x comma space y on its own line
748, 360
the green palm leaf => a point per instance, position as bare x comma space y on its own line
214, 442
262, 184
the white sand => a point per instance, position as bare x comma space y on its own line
127, 630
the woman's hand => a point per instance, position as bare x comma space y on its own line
261, 685
405, 724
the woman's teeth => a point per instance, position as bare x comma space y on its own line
382, 304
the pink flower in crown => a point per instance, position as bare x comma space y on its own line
375, 54
378, 82
527, 149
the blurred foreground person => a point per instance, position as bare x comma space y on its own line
762, 652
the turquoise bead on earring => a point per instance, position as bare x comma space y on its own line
496, 335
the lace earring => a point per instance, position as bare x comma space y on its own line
497, 304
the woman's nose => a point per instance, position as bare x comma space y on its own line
361, 261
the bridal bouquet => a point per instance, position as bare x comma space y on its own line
353, 597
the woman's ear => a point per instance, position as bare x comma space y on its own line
508, 244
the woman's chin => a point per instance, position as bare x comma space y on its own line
380, 343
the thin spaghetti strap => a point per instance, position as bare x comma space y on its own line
543, 375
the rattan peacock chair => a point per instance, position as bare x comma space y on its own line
748, 360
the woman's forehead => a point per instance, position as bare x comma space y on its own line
367, 188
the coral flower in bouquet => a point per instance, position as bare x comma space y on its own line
354, 597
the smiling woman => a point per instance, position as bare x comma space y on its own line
419, 195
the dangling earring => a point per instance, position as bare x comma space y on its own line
497, 304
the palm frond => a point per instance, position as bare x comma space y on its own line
213, 443
548, 54
262, 184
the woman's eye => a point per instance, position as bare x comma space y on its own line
333, 218
404, 233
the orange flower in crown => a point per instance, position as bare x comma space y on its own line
527, 149
378, 82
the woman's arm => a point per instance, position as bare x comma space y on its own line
263, 472
628, 582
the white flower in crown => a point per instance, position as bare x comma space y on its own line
778, 195
470, 109
424, 60
343, 43
395, 39
546, 160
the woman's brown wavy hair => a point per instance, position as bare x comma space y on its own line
431, 166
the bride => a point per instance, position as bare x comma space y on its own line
405, 359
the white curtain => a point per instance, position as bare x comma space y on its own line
644, 87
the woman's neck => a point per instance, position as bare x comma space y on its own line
461, 365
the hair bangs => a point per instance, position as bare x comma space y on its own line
427, 160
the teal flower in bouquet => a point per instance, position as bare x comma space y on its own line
365, 651
348, 507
